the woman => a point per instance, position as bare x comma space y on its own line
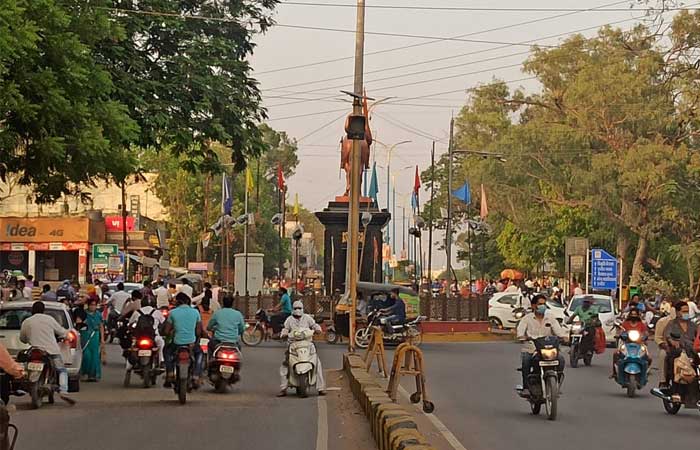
205, 308
92, 339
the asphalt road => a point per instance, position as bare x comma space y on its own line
472, 388
110, 417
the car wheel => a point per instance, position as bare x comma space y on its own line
495, 323
74, 384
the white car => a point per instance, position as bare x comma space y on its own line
503, 305
607, 312
12, 314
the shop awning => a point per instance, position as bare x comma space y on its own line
144, 260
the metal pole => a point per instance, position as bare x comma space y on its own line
393, 220
280, 264
245, 243
448, 237
430, 222
588, 272
125, 241
354, 207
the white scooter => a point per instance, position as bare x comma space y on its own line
302, 361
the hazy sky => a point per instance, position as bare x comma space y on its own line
440, 84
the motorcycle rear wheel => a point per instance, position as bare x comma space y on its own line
551, 397
672, 408
182, 391
573, 356
146, 377
127, 378
35, 393
632, 386
302, 389
253, 337
220, 386
331, 337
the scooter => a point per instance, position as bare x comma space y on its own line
632, 367
144, 360
399, 333
224, 366
302, 361
581, 339
544, 379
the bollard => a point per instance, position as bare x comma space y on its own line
408, 360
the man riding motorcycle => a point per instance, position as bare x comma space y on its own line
535, 325
184, 325
679, 336
283, 310
227, 324
299, 320
668, 313
148, 309
396, 313
633, 322
588, 313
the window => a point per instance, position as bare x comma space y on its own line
510, 300
604, 304
11, 319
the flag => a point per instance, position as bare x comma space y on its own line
374, 184
249, 185
280, 178
226, 199
464, 194
296, 205
484, 206
206, 238
415, 199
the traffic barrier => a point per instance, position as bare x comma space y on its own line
375, 350
408, 360
392, 425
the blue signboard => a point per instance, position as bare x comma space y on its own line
604, 273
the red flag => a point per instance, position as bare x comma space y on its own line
280, 177
416, 183
484, 206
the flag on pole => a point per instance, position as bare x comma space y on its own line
226, 199
415, 200
484, 206
374, 184
296, 205
464, 194
249, 185
280, 178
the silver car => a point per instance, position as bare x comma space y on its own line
12, 314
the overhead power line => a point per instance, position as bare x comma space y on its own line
483, 9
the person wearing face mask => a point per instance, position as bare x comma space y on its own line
296, 321
536, 325
633, 322
679, 336
668, 314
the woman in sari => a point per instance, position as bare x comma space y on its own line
92, 340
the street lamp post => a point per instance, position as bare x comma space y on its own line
390, 149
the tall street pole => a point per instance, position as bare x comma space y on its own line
125, 240
430, 222
448, 237
354, 207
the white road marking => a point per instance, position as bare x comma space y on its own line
322, 432
441, 427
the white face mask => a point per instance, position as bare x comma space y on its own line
297, 312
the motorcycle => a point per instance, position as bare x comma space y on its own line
690, 393
632, 367
581, 339
225, 366
184, 368
399, 333
144, 360
261, 331
41, 377
113, 324
544, 379
301, 361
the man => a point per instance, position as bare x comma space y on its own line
536, 325
132, 305
47, 295
304, 321
172, 290
25, 290
227, 324
396, 313
184, 325
41, 330
66, 292
668, 313
162, 296
186, 288
147, 309
119, 298
679, 335
283, 310
587, 312
147, 291
213, 305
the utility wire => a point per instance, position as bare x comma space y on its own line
473, 8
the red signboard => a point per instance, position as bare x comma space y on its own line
114, 223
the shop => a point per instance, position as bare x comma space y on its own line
50, 248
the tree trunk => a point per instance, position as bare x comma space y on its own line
623, 245
639, 258
691, 275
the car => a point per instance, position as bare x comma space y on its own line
128, 287
12, 314
503, 305
607, 312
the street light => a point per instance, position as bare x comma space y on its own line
390, 149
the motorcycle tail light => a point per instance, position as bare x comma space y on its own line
36, 355
228, 356
145, 343
72, 339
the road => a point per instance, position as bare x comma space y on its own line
472, 388
108, 416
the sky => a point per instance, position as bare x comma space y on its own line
425, 83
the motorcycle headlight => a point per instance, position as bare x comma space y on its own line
549, 353
519, 315
634, 335
577, 328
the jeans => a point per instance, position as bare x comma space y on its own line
526, 360
277, 321
62, 373
171, 353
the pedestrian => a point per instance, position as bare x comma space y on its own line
47, 295
92, 341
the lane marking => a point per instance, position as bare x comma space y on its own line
322, 432
437, 423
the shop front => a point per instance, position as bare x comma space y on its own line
50, 248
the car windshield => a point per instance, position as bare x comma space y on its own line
11, 319
603, 304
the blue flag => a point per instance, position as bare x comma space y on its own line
374, 184
464, 194
226, 199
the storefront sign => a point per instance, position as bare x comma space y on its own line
101, 254
44, 229
200, 266
15, 258
114, 223
44, 246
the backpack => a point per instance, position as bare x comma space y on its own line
145, 324
683, 370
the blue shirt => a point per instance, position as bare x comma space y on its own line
228, 324
184, 320
398, 309
286, 303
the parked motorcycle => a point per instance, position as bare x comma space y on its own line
399, 333
632, 366
261, 331
224, 366
302, 361
184, 369
582, 343
544, 379
144, 360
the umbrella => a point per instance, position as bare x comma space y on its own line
512, 274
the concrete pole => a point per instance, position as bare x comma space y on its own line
448, 237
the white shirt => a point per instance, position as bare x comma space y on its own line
531, 327
41, 330
214, 305
694, 311
158, 318
118, 299
187, 289
578, 290
27, 293
162, 297
512, 288
305, 321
